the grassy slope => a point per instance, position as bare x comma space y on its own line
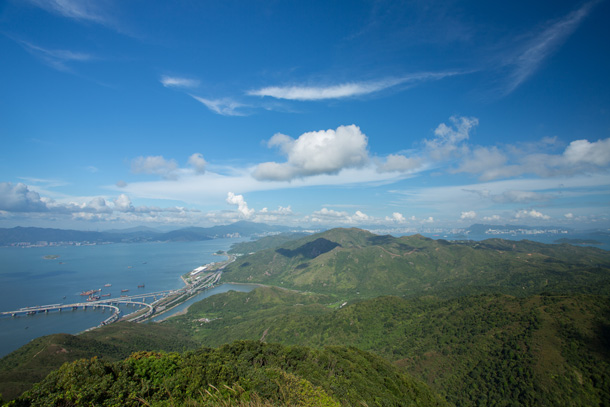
355, 263
476, 349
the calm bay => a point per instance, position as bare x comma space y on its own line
57, 275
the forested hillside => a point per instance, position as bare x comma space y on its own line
475, 350
242, 373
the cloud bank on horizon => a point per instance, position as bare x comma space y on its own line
413, 117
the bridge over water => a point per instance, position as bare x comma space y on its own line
109, 303
137, 300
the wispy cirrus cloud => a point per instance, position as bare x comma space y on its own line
56, 58
224, 106
84, 10
528, 59
178, 82
345, 90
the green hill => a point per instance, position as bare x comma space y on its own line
474, 350
242, 373
356, 263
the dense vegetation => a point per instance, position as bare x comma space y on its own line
243, 372
475, 350
482, 323
29, 364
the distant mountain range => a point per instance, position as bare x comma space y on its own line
33, 236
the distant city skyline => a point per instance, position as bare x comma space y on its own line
394, 114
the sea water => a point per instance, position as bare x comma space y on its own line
57, 275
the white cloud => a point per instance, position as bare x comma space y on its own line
283, 211
330, 216
314, 153
583, 152
345, 90
177, 82
569, 215
532, 214
198, 163
242, 206
360, 216
123, 204
19, 198
396, 217
399, 163
266, 215
155, 165
492, 218
225, 106
468, 215
579, 157
448, 140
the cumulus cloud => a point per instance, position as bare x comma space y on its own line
468, 215
315, 153
330, 216
242, 206
396, 217
19, 198
280, 211
155, 165
579, 157
583, 152
177, 82
531, 214
123, 204
266, 215
198, 163
448, 139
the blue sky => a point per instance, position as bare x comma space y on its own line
348, 113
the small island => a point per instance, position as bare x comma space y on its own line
51, 257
